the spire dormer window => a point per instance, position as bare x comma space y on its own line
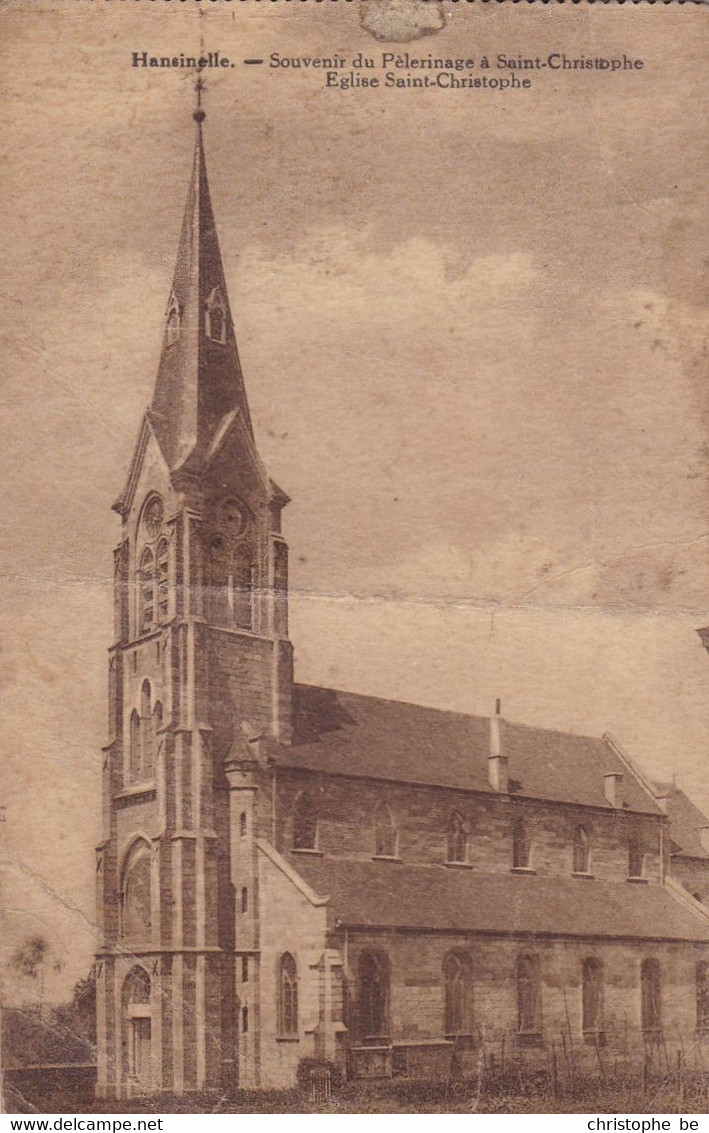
172, 321
215, 322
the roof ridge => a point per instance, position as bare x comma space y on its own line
449, 711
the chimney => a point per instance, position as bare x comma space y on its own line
612, 784
497, 762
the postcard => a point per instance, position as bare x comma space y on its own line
355, 583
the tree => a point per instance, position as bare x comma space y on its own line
29, 958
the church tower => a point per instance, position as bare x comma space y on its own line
200, 682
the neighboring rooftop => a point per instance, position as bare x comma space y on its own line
686, 820
343, 732
387, 894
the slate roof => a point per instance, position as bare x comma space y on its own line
388, 739
385, 894
685, 821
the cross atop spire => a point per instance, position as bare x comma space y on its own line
199, 378
199, 114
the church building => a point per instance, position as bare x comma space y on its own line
289, 872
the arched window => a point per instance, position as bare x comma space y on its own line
216, 317
702, 978
592, 996
385, 834
581, 851
146, 578
635, 857
157, 725
650, 995
458, 992
373, 995
218, 608
457, 839
243, 582
529, 996
242, 824
147, 733
244, 1020
305, 824
162, 562
230, 583
136, 920
521, 848
135, 750
244, 900
287, 996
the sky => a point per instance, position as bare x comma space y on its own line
473, 327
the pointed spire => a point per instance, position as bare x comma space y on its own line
199, 377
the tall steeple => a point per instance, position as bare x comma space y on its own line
200, 693
199, 378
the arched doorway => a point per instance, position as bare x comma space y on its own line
137, 1032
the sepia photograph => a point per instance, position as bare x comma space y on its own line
355, 586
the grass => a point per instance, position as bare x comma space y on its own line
623, 1093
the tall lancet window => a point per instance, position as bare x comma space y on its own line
172, 326
385, 833
457, 839
146, 574
592, 995
458, 994
147, 733
288, 997
215, 320
305, 824
529, 995
581, 851
650, 992
161, 559
135, 752
521, 847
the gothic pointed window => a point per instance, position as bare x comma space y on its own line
373, 995
243, 586
172, 326
305, 824
702, 979
147, 733
146, 577
650, 1004
385, 833
136, 903
458, 994
529, 996
457, 839
287, 996
521, 848
581, 850
157, 739
162, 565
215, 322
134, 748
592, 996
